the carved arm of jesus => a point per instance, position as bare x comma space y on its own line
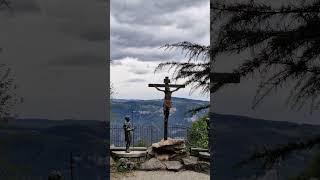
176, 89
159, 89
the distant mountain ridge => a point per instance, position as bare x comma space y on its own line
149, 112
173, 99
42, 145
235, 137
34, 147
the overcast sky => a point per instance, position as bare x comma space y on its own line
139, 28
57, 50
237, 98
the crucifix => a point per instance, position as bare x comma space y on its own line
167, 100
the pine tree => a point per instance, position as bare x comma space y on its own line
8, 96
282, 44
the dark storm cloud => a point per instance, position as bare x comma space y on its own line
131, 37
147, 25
139, 71
84, 60
79, 18
87, 31
18, 6
135, 80
150, 12
95, 35
59, 47
155, 55
25, 6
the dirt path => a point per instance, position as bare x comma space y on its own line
160, 175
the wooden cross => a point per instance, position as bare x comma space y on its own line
166, 83
167, 100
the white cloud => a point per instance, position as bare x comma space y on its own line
121, 75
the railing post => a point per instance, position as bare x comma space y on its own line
71, 167
151, 135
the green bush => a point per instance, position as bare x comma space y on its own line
198, 134
141, 143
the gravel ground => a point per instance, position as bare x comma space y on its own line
160, 175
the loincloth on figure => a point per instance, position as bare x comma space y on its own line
167, 104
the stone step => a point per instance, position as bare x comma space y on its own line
132, 154
204, 155
196, 151
113, 148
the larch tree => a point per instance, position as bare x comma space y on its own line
8, 95
282, 47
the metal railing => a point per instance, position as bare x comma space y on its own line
145, 135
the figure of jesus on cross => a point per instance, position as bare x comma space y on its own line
167, 104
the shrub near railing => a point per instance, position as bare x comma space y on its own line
198, 134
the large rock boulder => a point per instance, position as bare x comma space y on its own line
152, 164
173, 165
170, 149
203, 167
179, 143
55, 175
190, 162
194, 164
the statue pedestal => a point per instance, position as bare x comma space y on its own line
113, 148
133, 155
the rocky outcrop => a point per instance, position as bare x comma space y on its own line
193, 163
203, 167
172, 155
173, 165
170, 149
190, 162
55, 175
152, 164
